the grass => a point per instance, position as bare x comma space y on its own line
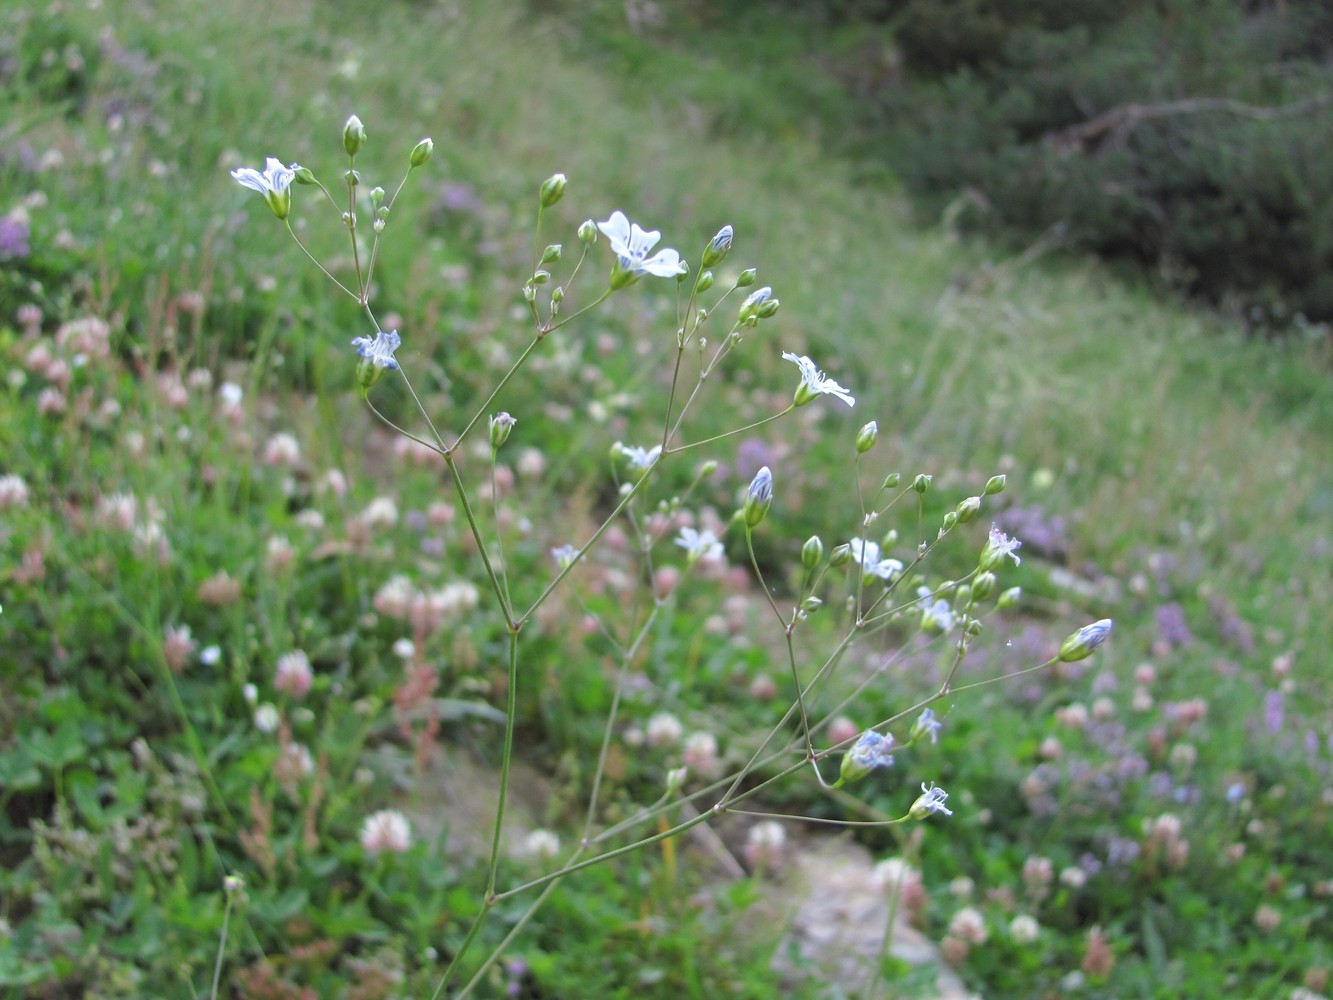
1163, 470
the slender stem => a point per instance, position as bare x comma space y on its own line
222, 947
327, 274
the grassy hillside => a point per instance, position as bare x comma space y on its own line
195, 502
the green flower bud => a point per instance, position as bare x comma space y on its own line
810, 605
892, 480
950, 519
421, 153
551, 254
557, 295
969, 509
708, 469
983, 585
747, 278
1010, 598
840, 555
552, 190
812, 552
541, 277
995, 484
683, 273
705, 281
921, 483
758, 497
1081, 644
352, 177
377, 197
866, 437
588, 232
354, 136
750, 309
718, 248
304, 175
501, 425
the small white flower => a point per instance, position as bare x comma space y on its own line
640, 458
386, 830
1024, 929
813, 382
564, 555
541, 844
273, 184
631, 244
699, 544
868, 555
379, 351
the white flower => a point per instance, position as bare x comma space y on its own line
294, 674
631, 244
273, 184
1024, 929
699, 544
813, 382
386, 830
541, 844
868, 555
640, 458
379, 351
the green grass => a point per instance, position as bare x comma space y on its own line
1189, 470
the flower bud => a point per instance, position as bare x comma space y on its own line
718, 248
892, 480
552, 190
866, 437
921, 483
811, 605
995, 484
747, 278
812, 552
758, 299
675, 779
551, 254
421, 153
588, 231
758, 497
705, 281
377, 197
683, 273
708, 469
557, 295
541, 277
1010, 598
1081, 644
354, 136
501, 424
233, 884
304, 175
983, 586
840, 555
969, 509
950, 519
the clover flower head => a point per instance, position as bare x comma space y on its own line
699, 544
868, 555
273, 183
814, 383
931, 800
631, 244
379, 350
386, 830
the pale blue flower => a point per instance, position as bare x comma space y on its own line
379, 351
927, 723
999, 546
564, 555
868, 555
631, 245
930, 801
871, 750
640, 458
273, 184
